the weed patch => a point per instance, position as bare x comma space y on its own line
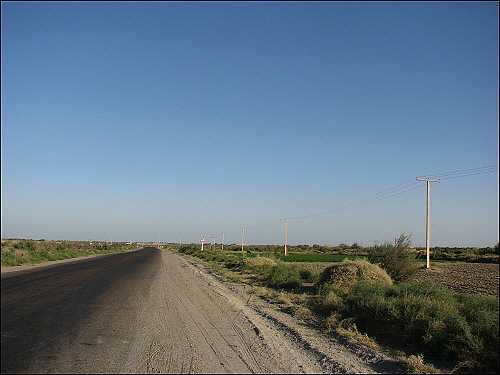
21, 252
433, 319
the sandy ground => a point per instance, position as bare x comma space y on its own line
298, 347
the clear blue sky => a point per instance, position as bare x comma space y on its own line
159, 120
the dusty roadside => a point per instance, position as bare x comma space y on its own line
288, 334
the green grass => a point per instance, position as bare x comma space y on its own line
429, 318
300, 257
332, 258
21, 252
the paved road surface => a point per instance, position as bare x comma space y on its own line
146, 311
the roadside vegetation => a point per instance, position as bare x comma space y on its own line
18, 252
368, 296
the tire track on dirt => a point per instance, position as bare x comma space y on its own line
213, 335
310, 349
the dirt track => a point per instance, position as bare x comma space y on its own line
160, 313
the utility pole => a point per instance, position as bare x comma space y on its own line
223, 241
286, 232
428, 221
242, 238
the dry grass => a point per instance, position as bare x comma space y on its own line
347, 328
415, 365
345, 274
260, 261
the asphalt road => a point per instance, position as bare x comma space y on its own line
142, 311
45, 309
152, 310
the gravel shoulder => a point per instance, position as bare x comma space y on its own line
297, 346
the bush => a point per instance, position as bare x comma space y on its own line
232, 261
189, 249
398, 259
284, 276
259, 262
305, 274
429, 317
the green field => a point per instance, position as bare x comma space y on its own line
300, 257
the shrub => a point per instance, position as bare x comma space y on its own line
259, 262
305, 274
398, 259
188, 249
435, 319
232, 261
284, 276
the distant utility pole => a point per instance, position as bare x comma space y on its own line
180, 240
222, 240
428, 221
286, 232
242, 238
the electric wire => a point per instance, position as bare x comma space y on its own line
465, 172
398, 189
384, 194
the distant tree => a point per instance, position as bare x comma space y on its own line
355, 246
496, 248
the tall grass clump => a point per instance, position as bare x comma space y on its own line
399, 260
259, 265
284, 276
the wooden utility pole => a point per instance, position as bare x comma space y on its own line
428, 221
286, 232
242, 238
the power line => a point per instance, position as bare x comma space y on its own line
384, 194
403, 188
465, 172
273, 224
398, 189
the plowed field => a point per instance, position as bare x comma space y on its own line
480, 278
